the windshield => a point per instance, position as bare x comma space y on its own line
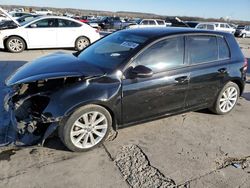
110, 52
28, 21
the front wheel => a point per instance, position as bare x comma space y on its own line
86, 128
227, 99
81, 43
15, 44
244, 35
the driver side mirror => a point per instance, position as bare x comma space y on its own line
141, 71
33, 26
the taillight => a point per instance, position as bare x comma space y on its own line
245, 65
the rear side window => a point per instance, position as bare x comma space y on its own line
67, 23
224, 52
202, 49
164, 55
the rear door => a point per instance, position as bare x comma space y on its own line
67, 32
208, 57
42, 34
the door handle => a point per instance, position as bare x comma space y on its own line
182, 79
222, 70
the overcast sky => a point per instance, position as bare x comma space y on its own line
234, 9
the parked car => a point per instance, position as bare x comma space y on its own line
43, 11
3, 17
216, 26
110, 23
17, 15
48, 32
83, 19
176, 22
243, 31
128, 77
144, 23
192, 24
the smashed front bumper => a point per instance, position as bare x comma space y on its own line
26, 129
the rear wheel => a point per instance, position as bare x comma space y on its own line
227, 99
244, 35
15, 44
86, 128
81, 43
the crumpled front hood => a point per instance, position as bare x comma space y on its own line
57, 65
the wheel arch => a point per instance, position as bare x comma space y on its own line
5, 40
98, 103
82, 36
239, 84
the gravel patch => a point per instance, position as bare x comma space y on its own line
137, 171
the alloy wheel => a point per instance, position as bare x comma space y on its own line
16, 45
82, 43
228, 99
89, 130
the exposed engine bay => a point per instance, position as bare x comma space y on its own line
26, 104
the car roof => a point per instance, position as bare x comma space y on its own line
52, 17
162, 32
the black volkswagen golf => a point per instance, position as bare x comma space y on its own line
128, 77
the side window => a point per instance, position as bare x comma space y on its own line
224, 52
210, 27
222, 25
227, 26
67, 23
145, 22
201, 26
216, 25
164, 55
202, 49
152, 22
45, 23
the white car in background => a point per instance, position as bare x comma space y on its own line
216, 27
44, 11
144, 23
48, 32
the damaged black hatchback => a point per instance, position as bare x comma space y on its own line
128, 77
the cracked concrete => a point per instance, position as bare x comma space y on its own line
137, 171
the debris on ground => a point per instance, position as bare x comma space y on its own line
242, 163
137, 171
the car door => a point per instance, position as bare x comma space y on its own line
164, 92
42, 33
67, 32
208, 68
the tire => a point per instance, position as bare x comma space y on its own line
81, 43
227, 99
244, 35
15, 44
78, 137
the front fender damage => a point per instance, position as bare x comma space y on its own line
26, 104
